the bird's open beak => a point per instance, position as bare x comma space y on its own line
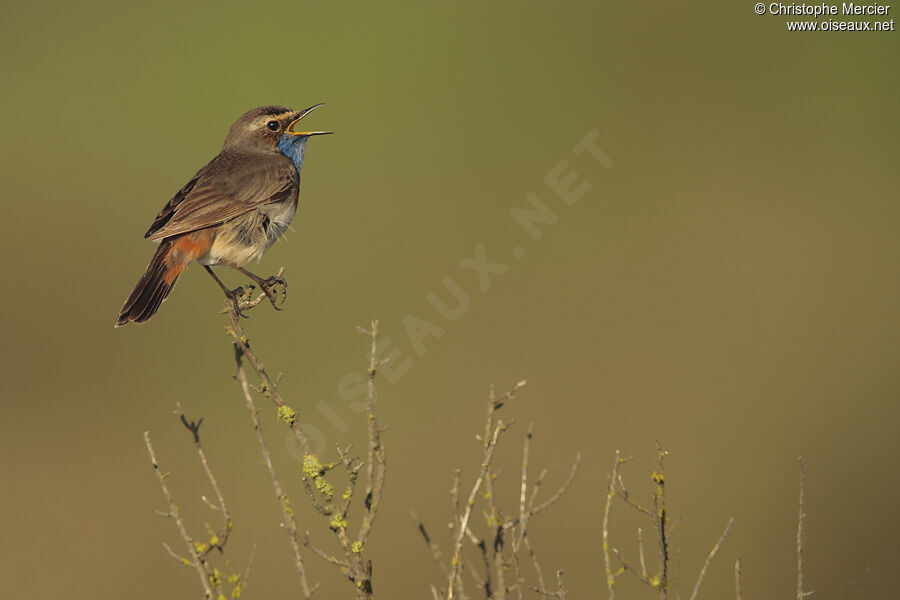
300, 115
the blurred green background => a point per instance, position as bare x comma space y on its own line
728, 287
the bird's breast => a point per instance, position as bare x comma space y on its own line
244, 239
280, 215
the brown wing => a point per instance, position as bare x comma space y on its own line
229, 186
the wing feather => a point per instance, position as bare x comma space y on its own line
229, 186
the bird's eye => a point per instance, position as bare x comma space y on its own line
273, 125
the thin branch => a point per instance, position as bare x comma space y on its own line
306, 541
523, 489
175, 555
484, 583
464, 521
534, 561
352, 466
626, 496
610, 496
561, 592
454, 493
676, 572
524, 511
319, 491
501, 549
434, 548
709, 558
737, 578
562, 489
221, 537
268, 387
197, 559
287, 512
801, 516
627, 567
376, 464
498, 587
641, 552
659, 518
246, 574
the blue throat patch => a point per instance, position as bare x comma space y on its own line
293, 146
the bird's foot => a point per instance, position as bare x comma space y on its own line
235, 296
270, 289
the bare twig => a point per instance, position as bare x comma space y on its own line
287, 513
269, 387
709, 558
607, 550
501, 549
561, 592
622, 492
212, 577
495, 569
534, 561
666, 578
218, 540
433, 547
627, 567
800, 517
246, 570
523, 489
524, 511
641, 552
320, 491
659, 518
562, 489
305, 540
676, 573
737, 578
376, 465
454, 492
197, 559
464, 519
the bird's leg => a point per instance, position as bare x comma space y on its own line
232, 295
267, 285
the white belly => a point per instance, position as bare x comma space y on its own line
280, 216
245, 239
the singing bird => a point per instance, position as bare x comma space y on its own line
230, 212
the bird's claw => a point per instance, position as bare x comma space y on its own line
235, 296
269, 284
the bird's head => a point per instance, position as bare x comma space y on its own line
269, 129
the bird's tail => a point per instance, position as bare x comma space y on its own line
153, 287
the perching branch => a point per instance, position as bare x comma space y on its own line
268, 387
287, 513
321, 493
499, 569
